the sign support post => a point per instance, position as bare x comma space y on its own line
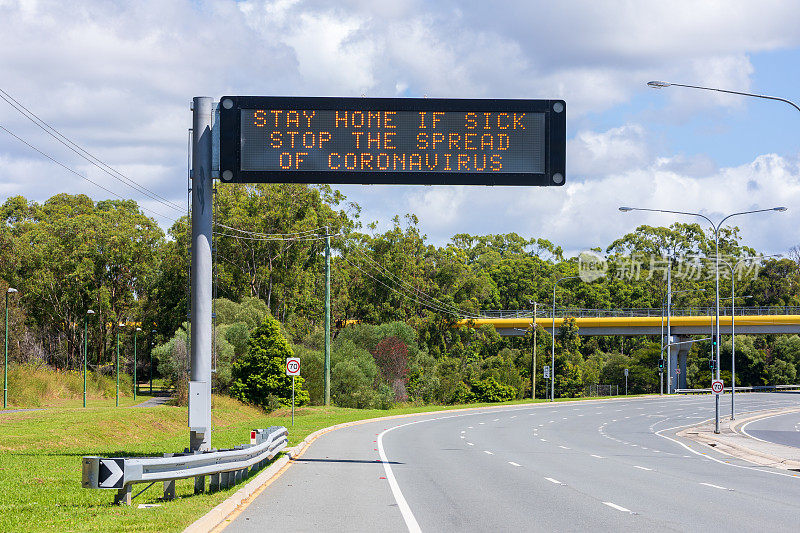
292, 400
327, 363
201, 329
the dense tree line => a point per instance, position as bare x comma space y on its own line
70, 254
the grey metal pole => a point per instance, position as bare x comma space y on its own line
533, 362
201, 282
327, 369
716, 396
293, 400
661, 370
553, 356
669, 331
5, 365
733, 340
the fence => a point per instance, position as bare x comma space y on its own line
224, 467
599, 389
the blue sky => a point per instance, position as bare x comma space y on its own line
116, 77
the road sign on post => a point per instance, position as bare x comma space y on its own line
547, 372
717, 386
293, 369
426, 141
292, 366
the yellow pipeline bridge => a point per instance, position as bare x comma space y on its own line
680, 324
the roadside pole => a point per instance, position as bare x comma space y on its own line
533, 362
327, 365
117, 366
200, 367
669, 330
293, 400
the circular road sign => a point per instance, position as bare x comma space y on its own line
292, 366
717, 386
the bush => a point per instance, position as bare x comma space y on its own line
259, 376
489, 390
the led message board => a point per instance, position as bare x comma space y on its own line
392, 140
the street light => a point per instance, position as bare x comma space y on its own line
135, 382
666, 301
533, 359
10, 290
733, 320
716, 228
553, 362
89, 313
664, 84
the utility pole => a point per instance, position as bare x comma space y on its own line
533, 362
327, 364
135, 381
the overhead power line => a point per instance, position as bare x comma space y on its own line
84, 154
59, 163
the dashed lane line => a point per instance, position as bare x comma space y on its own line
551, 480
617, 507
716, 486
642, 468
512, 463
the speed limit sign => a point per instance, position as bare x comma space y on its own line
292, 366
717, 386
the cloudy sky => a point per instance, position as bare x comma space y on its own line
117, 77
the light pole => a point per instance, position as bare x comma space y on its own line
664, 84
11, 290
733, 320
666, 301
553, 355
533, 360
152, 345
135, 382
89, 313
716, 228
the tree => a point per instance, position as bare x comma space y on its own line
259, 377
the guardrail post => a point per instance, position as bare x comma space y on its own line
169, 490
213, 483
199, 484
123, 495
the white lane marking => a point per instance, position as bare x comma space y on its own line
515, 416
550, 422
512, 463
402, 504
551, 480
463, 431
564, 418
564, 447
713, 458
495, 420
715, 486
543, 440
597, 456
470, 444
463, 437
487, 452
481, 423
617, 507
642, 467
470, 427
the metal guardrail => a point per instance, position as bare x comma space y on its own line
224, 467
639, 311
755, 388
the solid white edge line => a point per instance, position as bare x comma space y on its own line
706, 456
405, 510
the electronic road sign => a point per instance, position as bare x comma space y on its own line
432, 141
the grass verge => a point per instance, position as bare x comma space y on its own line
40, 454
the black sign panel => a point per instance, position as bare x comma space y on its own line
266, 139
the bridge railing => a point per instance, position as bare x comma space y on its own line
639, 311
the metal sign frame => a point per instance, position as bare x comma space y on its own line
554, 150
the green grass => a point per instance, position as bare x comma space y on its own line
40, 460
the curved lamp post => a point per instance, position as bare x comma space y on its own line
553, 355
89, 313
664, 84
716, 228
11, 290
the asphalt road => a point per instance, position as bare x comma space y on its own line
575, 466
780, 429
